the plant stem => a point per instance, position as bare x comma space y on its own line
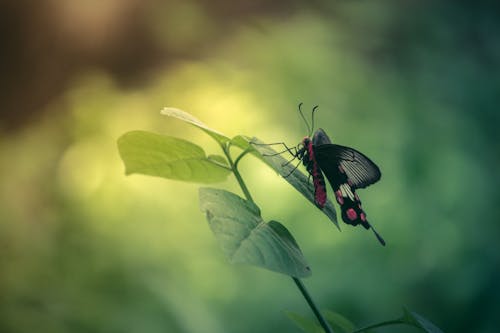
297, 281
313, 306
384, 323
233, 165
246, 151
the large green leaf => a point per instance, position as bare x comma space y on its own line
246, 238
168, 157
296, 178
184, 116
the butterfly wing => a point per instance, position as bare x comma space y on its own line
360, 170
348, 169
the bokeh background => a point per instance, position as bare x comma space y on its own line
413, 84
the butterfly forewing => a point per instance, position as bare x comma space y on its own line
360, 170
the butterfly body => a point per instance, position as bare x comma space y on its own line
346, 170
307, 156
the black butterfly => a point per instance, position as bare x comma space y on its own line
345, 168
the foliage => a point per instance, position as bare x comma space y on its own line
236, 222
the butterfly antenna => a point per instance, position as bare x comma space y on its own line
380, 239
312, 118
304, 118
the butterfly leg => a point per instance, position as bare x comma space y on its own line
295, 168
292, 151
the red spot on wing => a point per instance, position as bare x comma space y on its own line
362, 216
351, 214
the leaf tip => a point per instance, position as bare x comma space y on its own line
167, 111
307, 272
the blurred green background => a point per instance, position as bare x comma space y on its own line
413, 84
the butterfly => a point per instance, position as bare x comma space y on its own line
346, 170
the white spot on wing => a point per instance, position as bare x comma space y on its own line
346, 191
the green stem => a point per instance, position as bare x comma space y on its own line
312, 305
233, 165
246, 151
384, 323
298, 282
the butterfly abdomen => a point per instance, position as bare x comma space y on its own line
309, 160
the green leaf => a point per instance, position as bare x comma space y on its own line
246, 238
168, 157
338, 322
296, 178
307, 325
414, 319
244, 142
184, 116
218, 159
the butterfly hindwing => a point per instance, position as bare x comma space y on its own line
360, 170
